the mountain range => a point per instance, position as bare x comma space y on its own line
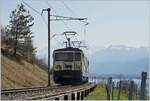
119, 60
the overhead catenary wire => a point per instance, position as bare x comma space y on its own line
72, 12
53, 36
60, 20
35, 11
58, 41
68, 8
56, 14
31, 7
43, 19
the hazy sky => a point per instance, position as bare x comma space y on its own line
110, 22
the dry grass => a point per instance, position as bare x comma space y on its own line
24, 74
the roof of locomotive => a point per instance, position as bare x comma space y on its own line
68, 49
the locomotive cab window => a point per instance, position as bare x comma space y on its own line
63, 56
77, 56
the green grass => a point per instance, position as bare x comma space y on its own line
100, 93
123, 94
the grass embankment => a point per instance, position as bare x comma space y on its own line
100, 93
21, 74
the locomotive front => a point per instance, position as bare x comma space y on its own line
68, 66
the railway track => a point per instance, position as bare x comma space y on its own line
53, 92
17, 90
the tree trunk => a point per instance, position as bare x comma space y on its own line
15, 45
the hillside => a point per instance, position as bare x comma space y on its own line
22, 74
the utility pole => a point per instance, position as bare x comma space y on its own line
48, 10
49, 80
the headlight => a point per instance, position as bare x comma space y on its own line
58, 67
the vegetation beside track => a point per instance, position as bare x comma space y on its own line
100, 93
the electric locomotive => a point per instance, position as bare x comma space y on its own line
70, 66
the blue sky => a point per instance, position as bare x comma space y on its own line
110, 22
